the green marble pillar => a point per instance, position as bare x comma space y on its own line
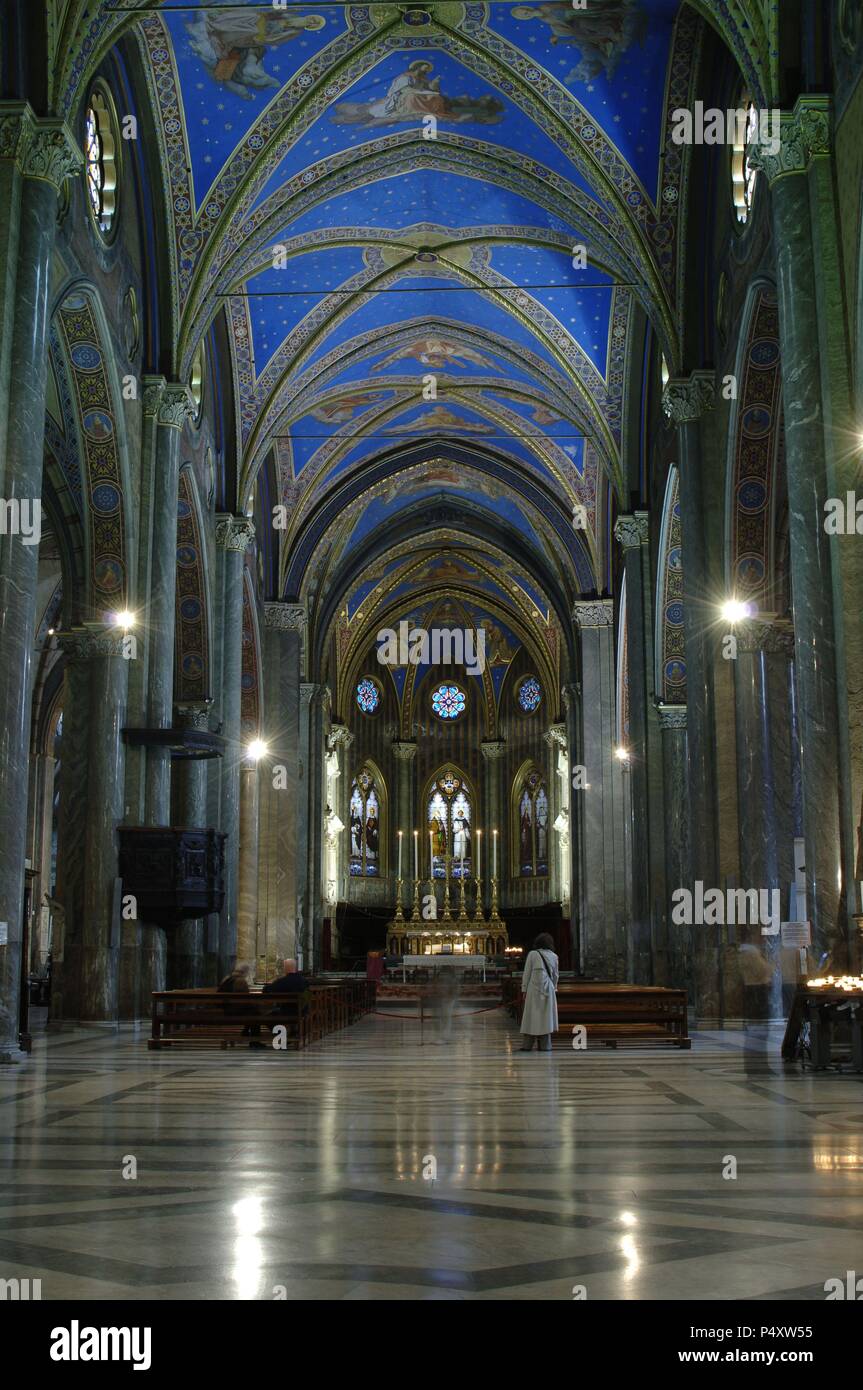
36, 158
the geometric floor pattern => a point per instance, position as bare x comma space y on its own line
369, 1167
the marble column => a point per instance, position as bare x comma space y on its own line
632, 534
601, 807
405, 817
36, 158
247, 868
570, 693
558, 816
233, 537
91, 807
672, 723
337, 841
167, 407
188, 966
687, 402
313, 698
805, 140
494, 817
281, 816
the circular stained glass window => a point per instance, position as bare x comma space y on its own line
100, 151
368, 695
449, 701
529, 695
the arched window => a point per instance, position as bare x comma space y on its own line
100, 153
365, 825
743, 172
530, 804
450, 825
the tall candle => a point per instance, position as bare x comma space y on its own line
462, 866
478, 853
431, 854
416, 854
400, 853
494, 846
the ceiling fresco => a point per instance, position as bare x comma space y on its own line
434, 232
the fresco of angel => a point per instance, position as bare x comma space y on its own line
232, 44
603, 31
437, 353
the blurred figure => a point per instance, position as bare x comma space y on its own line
539, 988
443, 1001
237, 982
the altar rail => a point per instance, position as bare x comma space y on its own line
613, 1014
202, 1016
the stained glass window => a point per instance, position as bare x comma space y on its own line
529, 695
449, 701
368, 695
365, 826
450, 821
532, 826
743, 172
101, 167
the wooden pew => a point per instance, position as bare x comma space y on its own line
615, 1013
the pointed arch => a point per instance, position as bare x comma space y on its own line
450, 815
529, 822
368, 823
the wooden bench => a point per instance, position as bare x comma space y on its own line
201, 1016
616, 1014
825, 1010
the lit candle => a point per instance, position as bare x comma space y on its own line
431, 854
416, 854
478, 853
494, 847
462, 866
400, 852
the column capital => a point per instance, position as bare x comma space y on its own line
92, 640
234, 533
285, 617
404, 750
41, 148
312, 693
556, 735
193, 714
339, 736
593, 612
763, 635
686, 399
167, 402
672, 716
492, 749
570, 694
804, 135
632, 531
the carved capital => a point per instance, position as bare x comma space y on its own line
404, 751
234, 533
632, 531
492, 749
804, 135
686, 400
570, 694
672, 716
41, 148
175, 406
92, 640
556, 735
593, 612
285, 617
760, 635
193, 714
340, 736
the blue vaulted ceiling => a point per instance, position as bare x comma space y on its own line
385, 201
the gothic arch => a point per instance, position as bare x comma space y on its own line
529, 844
755, 439
670, 645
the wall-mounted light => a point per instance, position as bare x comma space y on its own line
622, 754
734, 611
256, 750
124, 619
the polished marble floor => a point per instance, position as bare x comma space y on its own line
263, 1175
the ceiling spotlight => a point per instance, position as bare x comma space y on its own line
257, 749
733, 611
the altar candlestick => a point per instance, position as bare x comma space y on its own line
494, 846
416, 854
462, 866
431, 854
479, 854
400, 853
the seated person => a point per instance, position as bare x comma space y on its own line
237, 982
291, 982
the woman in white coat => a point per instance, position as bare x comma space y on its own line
539, 986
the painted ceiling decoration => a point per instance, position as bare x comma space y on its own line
433, 233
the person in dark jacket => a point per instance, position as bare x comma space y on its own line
237, 982
291, 982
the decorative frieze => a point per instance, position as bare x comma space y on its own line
193, 714
285, 617
760, 635
91, 641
